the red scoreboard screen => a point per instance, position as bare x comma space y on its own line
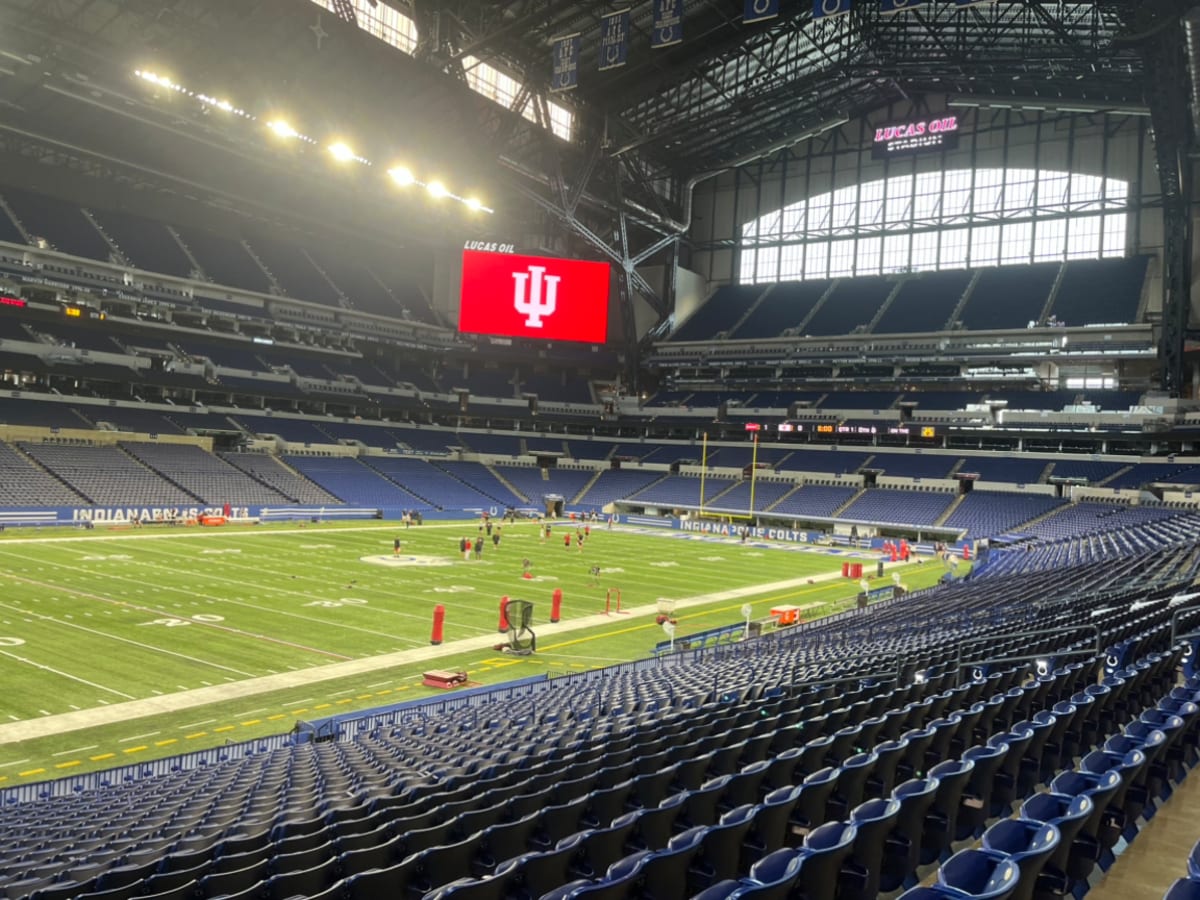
537, 297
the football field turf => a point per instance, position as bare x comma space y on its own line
303, 622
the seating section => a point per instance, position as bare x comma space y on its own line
681, 491
484, 480
720, 313
108, 475
205, 476
535, 483
435, 486
355, 483
1005, 469
271, 471
912, 465
909, 507
1151, 473
617, 484
1094, 471
784, 307
1009, 296
63, 225
22, 483
1086, 518
835, 462
987, 513
737, 498
225, 260
852, 305
1100, 291
924, 302
145, 244
815, 500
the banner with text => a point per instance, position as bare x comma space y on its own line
668, 23
614, 39
566, 63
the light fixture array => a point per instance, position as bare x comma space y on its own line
337, 148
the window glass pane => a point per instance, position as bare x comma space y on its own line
954, 248
791, 262
870, 256
1049, 239
1015, 243
924, 251
989, 186
1083, 237
985, 246
816, 260
1114, 234
841, 258
1052, 192
1018, 190
767, 268
895, 252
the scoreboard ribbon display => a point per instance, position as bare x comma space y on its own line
537, 297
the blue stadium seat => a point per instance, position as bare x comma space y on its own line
1028, 844
973, 873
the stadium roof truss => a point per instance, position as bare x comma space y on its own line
645, 133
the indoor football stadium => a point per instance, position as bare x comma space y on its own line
624, 450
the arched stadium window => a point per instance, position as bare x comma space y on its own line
960, 218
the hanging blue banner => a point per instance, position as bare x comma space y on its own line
973, 2
826, 9
668, 23
895, 6
760, 10
566, 63
614, 39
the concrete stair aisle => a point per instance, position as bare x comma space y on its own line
276, 288
1124, 470
1048, 306
17, 223
115, 254
587, 487
508, 484
732, 329
197, 269
956, 315
149, 468
1044, 477
833, 285
941, 520
845, 506
1042, 518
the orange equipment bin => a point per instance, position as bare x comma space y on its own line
786, 615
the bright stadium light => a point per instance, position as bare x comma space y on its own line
341, 152
402, 176
473, 204
282, 129
436, 189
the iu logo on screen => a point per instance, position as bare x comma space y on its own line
534, 297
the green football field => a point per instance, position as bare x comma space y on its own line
119, 646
